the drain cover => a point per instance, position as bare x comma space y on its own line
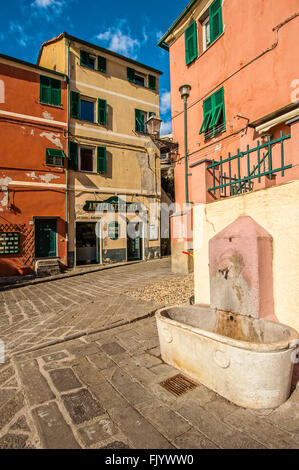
178, 385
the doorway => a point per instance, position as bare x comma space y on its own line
134, 244
87, 244
45, 238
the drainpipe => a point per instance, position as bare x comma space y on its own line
185, 92
68, 156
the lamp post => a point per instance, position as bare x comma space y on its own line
185, 92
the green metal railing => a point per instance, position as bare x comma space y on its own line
263, 165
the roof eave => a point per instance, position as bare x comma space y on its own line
162, 43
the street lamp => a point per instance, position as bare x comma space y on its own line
185, 93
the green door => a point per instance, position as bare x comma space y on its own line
45, 238
134, 244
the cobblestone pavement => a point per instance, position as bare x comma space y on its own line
45, 313
102, 390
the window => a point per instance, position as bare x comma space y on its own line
140, 79
206, 27
191, 43
84, 108
86, 155
55, 157
140, 120
87, 60
92, 61
212, 26
50, 91
87, 110
82, 158
214, 115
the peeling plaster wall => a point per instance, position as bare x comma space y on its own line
53, 138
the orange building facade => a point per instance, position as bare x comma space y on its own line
242, 113
33, 135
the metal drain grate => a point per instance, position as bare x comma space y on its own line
178, 385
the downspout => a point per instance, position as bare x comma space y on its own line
68, 153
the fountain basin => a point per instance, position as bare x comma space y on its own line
249, 361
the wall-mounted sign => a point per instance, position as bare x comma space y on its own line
113, 230
113, 204
9, 243
153, 232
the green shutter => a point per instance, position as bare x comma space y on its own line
152, 82
56, 92
102, 64
84, 58
218, 107
139, 125
75, 104
131, 74
207, 112
102, 111
45, 90
73, 155
191, 42
101, 160
215, 15
55, 153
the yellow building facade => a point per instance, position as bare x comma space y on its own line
114, 184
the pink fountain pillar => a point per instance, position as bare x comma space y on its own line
241, 277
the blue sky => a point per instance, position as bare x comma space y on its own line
130, 28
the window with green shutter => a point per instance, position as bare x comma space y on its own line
73, 156
55, 157
152, 82
101, 160
102, 111
131, 75
191, 43
215, 16
140, 119
50, 91
102, 64
214, 115
75, 104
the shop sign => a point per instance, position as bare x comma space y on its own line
113, 204
153, 230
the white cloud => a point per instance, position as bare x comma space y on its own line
166, 128
18, 30
165, 102
119, 39
45, 3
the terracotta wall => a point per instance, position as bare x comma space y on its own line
28, 187
252, 91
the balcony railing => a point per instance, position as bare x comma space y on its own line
230, 176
